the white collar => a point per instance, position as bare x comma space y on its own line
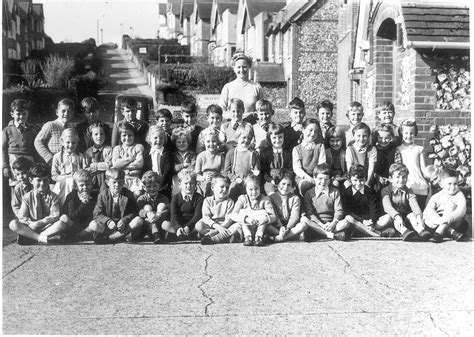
354, 191
318, 192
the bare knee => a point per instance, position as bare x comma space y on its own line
167, 226
13, 225
95, 226
136, 222
199, 226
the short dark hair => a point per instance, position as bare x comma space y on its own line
220, 176
398, 167
20, 105
448, 172
129, 103
164, 113
387, 105
126, 126
214, 109
39, 170
275, 129
358, 171
22, 164
356, 105
114, 173
188, 107
322, 169
326, 104
296, 103
287, 174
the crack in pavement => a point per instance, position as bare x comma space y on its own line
436, 326
21, 264
347, 265
200, 287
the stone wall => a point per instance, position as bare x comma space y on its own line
315, 68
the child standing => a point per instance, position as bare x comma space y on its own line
325, 113
91, 109
335, 144
241, 160
323, 208
18, 138
153, 207
129, 111
186, 207
254, 212
360, 206
386, 113
287, 207
159, 158
399, 202
384, 142
48, 140
20, 168
307, 155
355, 113
115, 216
208, 163
39, 210
264, 114
228, 129
183, 157
360, 152
411, 155
65, 163
274, 160
214, 118
98, 156
129, 157
215, 225
444, 213
294, 131
164, 119
189, 115
76, 213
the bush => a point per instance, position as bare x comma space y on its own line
57, 71
31, 73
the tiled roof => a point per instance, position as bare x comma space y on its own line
268, 72
175, 6
436, 22
187, 8
162, 9
38, 9
23, 8
257, 7
223, 5
204, 10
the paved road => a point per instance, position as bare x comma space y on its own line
365, 287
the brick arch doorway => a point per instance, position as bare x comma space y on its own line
385, 62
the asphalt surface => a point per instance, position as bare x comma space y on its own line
360, 287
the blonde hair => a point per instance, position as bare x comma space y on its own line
155, 129
180, 132
69, 132
185, 174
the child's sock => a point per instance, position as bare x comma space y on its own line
42, 238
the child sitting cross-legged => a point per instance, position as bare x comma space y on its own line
360, 206
400, 203
186, 207
215, 225
324, 216
153, 207
287, 207
240, 161
39, 210
254, 212
445, 211
115, 214
77, 210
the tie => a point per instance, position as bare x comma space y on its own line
21, 127
97, 155
236, 125
41, 209
116, 208
187, 198
279, 160
265, 127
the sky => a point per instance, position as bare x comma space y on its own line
76, 20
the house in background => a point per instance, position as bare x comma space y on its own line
186, 10
173, 25
162, 26
22, 28
223, 37
200, 27
415, 55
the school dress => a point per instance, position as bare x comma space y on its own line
134, 169
410, 156
178, 159
337, 161
101, 158
65, 164
306, 156
238, 164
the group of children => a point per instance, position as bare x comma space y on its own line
229, 182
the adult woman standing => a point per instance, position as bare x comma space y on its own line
248, 91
